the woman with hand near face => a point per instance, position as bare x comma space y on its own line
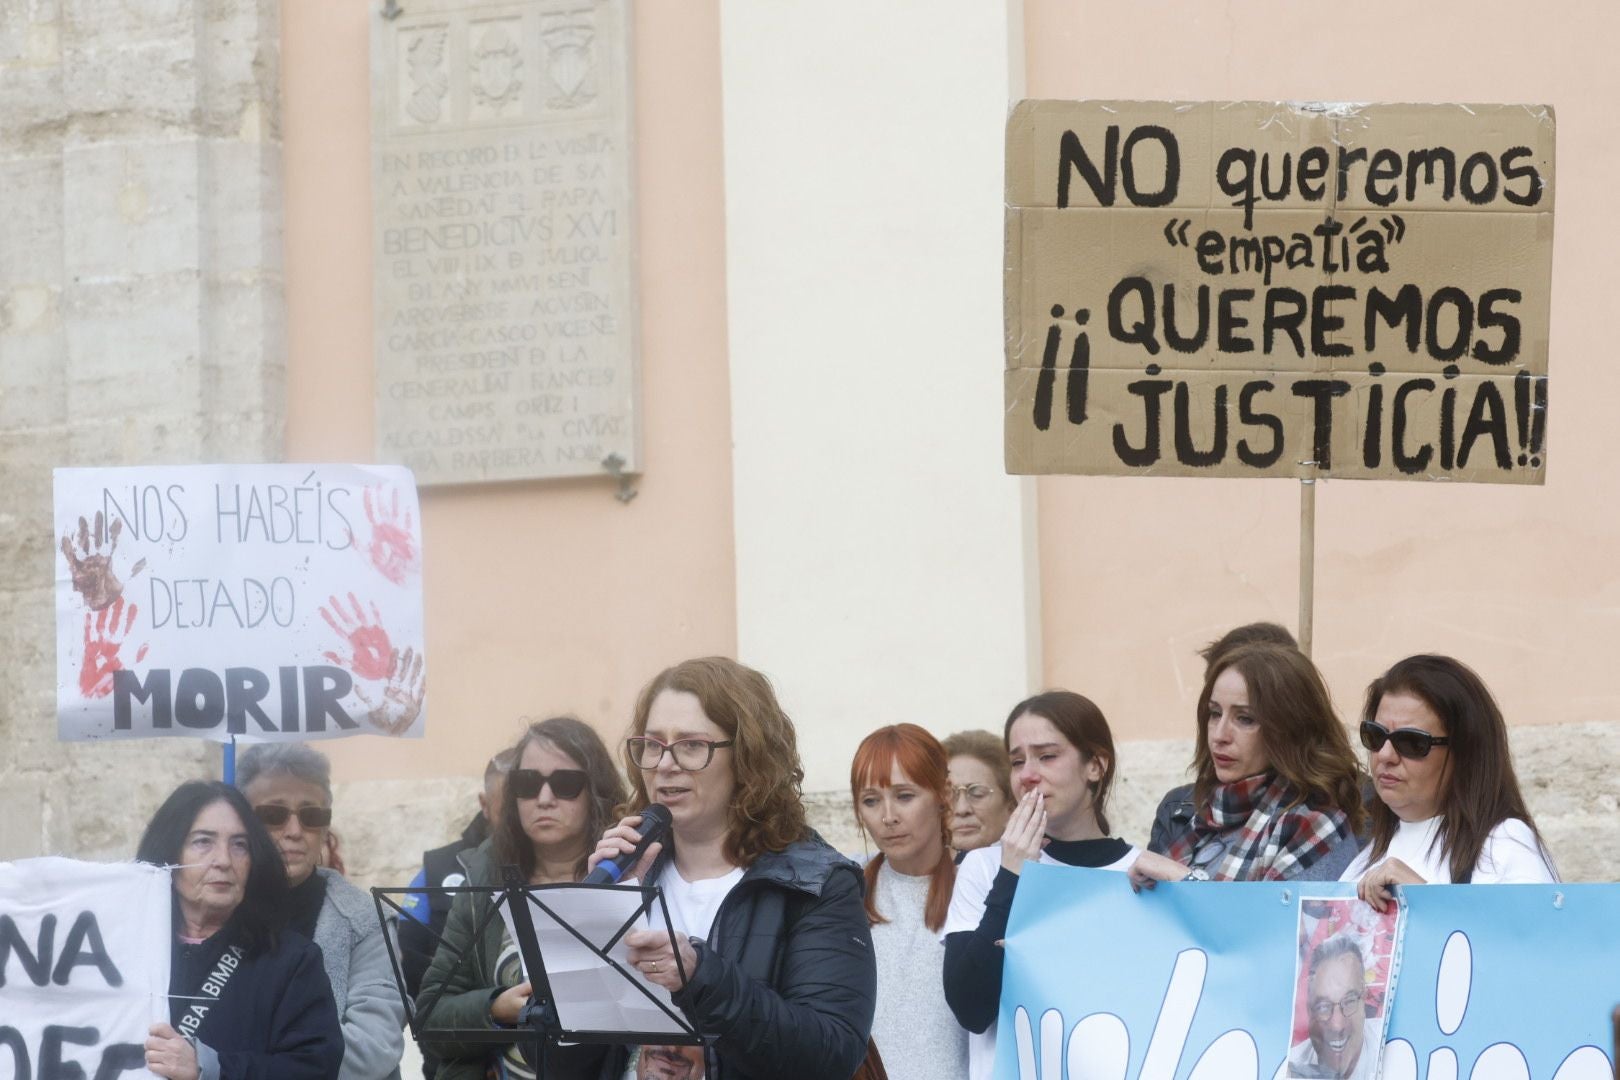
981, 789
559, 795
267, 1010
1062, 756
289, 786
900, 782
1278, 790
1449, 809
772, 952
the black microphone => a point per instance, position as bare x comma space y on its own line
655, 823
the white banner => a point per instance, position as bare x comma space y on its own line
261, 601
84, 966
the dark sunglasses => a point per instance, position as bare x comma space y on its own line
1408, 742
310, 817
565, 783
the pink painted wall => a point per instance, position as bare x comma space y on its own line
541, 597
1519, 582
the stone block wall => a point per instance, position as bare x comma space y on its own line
140, 322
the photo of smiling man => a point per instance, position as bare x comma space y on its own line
1343, 1043
1342, 987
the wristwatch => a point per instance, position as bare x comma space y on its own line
1197, 873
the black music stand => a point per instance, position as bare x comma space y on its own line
539, 1025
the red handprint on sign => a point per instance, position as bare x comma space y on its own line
371, 653
101, 647
402, 698
93, 576
391, 551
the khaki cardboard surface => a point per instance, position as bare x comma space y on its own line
1212, 247
1470, 428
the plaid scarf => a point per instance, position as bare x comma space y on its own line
1244, 833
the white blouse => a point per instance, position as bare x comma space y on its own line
1511, 856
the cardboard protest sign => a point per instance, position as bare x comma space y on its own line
1264, 289
1203, 982
84, 966
262, 601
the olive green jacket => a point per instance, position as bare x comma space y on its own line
464, 990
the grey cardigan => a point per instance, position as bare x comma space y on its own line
369, 1007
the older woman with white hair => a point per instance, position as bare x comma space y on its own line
289, 786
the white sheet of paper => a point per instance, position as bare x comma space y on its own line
590, 995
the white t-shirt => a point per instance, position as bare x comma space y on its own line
694, 904
692, 908
1511, 855
974, 877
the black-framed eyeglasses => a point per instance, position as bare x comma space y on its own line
1412, 743
275, 816
691, 755
565, 783
1323, 1010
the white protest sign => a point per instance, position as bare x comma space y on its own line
84, 966
261, 601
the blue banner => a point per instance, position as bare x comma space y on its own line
1206, 981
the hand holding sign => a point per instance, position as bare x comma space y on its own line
170, 1054
93, 576
506, 1008
1377, 886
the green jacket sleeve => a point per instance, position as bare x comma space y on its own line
458, 985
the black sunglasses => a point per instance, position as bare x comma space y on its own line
1408, 742
310, 817
565, 783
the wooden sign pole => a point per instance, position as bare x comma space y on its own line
1307, 558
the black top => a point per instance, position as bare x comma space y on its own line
1093, 853
973, 957
304, 904
271, 1017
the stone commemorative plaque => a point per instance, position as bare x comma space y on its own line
503, 238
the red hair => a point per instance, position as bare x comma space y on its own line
922, 758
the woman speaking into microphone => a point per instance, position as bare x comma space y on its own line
774, 951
